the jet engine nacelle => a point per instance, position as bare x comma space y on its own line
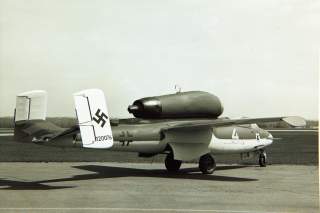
179, 105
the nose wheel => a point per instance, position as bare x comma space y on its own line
263, 158
207, 164
172, 165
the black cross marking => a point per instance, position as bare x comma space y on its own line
100, 117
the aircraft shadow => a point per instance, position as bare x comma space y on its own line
26, 185
103, 172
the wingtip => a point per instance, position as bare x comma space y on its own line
295, 121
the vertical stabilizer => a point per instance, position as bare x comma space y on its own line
93, 119
31, 108
31, 105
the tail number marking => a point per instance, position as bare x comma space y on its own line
104, 138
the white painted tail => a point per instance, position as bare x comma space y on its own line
31, 105
93, 119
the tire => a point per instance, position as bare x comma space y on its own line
171, 164
263, 159
207, 164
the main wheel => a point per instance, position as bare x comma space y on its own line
263, 159
172, 165
207, 164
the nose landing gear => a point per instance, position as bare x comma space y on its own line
263, 158
207, 164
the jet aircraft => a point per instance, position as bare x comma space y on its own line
185, 126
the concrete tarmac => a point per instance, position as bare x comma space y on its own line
142, 187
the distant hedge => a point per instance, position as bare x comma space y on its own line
7, 122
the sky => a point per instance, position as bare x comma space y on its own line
260, 57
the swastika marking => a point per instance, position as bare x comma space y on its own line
100, 118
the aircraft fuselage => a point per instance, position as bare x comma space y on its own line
146, 137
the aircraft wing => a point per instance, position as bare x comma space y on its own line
293, 121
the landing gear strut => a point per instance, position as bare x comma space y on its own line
207, 164
263, 158
172, 165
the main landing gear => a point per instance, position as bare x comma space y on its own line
263, 158
172, 165
207, 164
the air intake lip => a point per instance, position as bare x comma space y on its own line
133, 108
